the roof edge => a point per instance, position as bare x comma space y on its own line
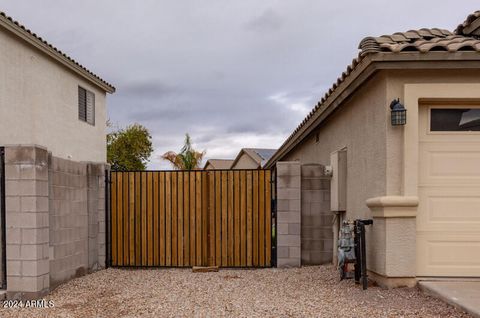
366, 67
243, 150
42, 45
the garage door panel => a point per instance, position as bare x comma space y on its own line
450, 165
449, 209
448, 219
448, 254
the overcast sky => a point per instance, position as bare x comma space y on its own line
231, 73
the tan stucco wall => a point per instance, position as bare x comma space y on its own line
39, 104
396, 81
245, 162
360, 126
375, 160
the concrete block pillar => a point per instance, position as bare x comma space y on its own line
27, 221
288, 214
391, 259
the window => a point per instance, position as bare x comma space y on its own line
455, 119
86, 106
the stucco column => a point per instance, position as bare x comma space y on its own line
392, 257
27, 221
288, 214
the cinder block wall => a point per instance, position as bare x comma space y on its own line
76, 207
55, 220
317, 233
27, 222
288, 214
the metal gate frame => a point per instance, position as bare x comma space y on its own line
108, 213
3, 218
273, 191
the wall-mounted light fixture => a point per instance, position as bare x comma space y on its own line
399, 113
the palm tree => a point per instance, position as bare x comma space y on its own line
187, 159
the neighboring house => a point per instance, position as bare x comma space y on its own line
53, 138
420, 181
252, 158
218, 164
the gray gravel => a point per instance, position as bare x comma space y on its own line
305, 292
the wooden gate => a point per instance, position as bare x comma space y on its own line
191, 218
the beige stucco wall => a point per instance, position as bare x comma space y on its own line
396, 81
245, 162
360, 127
39, 104
375, 162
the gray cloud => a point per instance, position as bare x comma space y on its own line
269, 20
147, 89
232, 74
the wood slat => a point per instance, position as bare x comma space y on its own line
218, 218
261, 216
168, 219
186, 218
249, 219
131, 222
149, 224
143, 193
120, 218
205, 218
126, 219
174, 219
224, 232
230, 219
161, 186
192, 212
236, 213
156, 219
138, 219
180, 219
114, 219
243, 218
255, 219
211, 219
198, 218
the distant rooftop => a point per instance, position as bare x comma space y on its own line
261, 155
219, 163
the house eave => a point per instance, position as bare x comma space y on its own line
50, 51
367, 67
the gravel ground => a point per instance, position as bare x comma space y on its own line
305, 292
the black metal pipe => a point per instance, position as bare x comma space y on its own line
364, 256
356, 239
361, 252
274, 217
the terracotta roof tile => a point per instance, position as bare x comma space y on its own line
470, 19
53, 48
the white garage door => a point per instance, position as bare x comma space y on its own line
448, 221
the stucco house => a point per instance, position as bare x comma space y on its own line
52, 164
213, 164
417, 176
252, 158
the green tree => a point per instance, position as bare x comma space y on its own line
130, 148
187, 159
